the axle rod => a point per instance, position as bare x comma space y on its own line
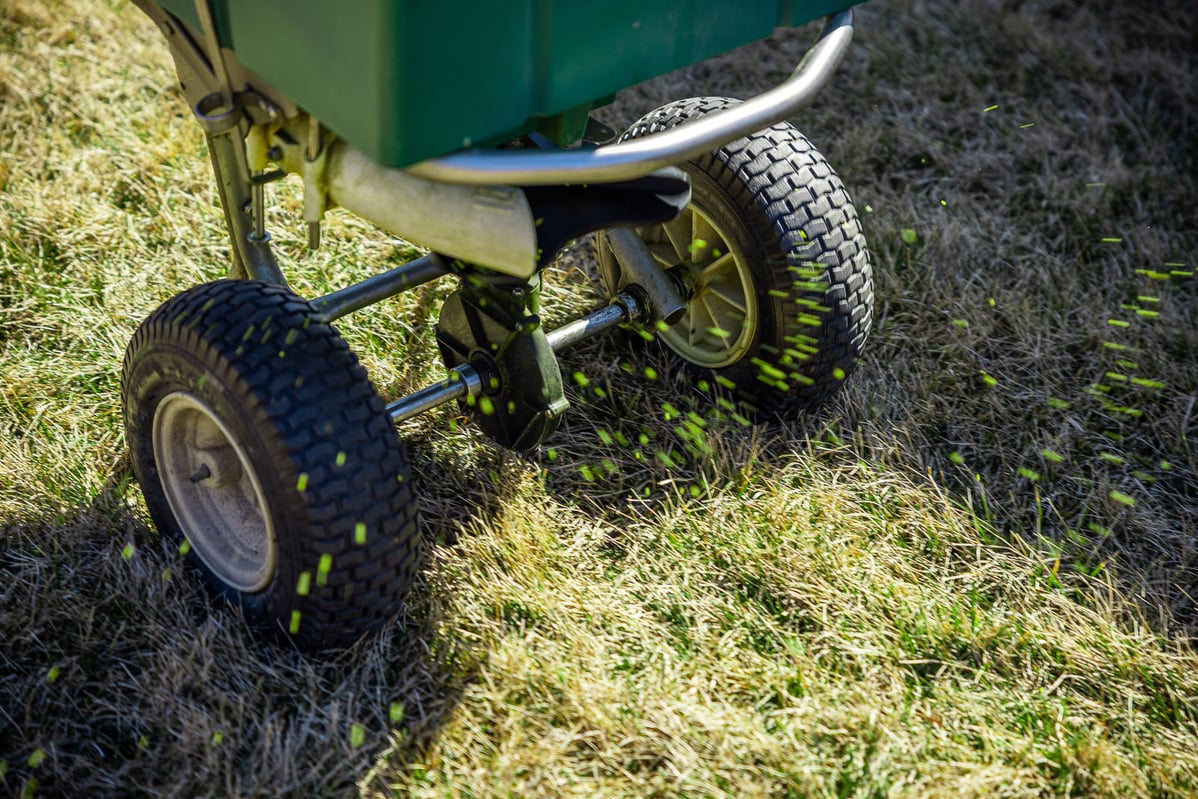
465, 381
624, 307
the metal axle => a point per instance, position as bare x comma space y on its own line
465, 381
624, 307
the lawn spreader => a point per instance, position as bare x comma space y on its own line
262, 448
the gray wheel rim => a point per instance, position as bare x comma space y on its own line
721, 312
214, 492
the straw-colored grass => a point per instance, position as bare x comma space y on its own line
972, 575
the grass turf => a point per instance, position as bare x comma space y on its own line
973, 574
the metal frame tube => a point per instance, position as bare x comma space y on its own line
639, 157
639, 267
380, 287
252, 257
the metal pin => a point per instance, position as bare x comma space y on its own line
258, 191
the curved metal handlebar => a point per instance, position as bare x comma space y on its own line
633, 159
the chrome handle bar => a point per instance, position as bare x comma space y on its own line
639, 157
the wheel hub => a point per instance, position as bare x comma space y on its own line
214, 492
721, 316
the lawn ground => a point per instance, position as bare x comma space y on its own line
972, 574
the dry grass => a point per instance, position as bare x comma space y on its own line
972, 575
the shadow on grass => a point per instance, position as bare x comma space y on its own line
119, 675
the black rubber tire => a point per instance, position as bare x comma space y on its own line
810, 267
328, 464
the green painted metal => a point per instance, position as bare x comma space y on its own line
405, 80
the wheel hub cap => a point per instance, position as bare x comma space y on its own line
214, 492
721, 314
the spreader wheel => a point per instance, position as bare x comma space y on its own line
263, 451
771, 261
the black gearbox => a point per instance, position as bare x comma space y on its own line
488, 324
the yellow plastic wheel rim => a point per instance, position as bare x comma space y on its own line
721, 314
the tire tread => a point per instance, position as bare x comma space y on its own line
313, 399
802, 204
